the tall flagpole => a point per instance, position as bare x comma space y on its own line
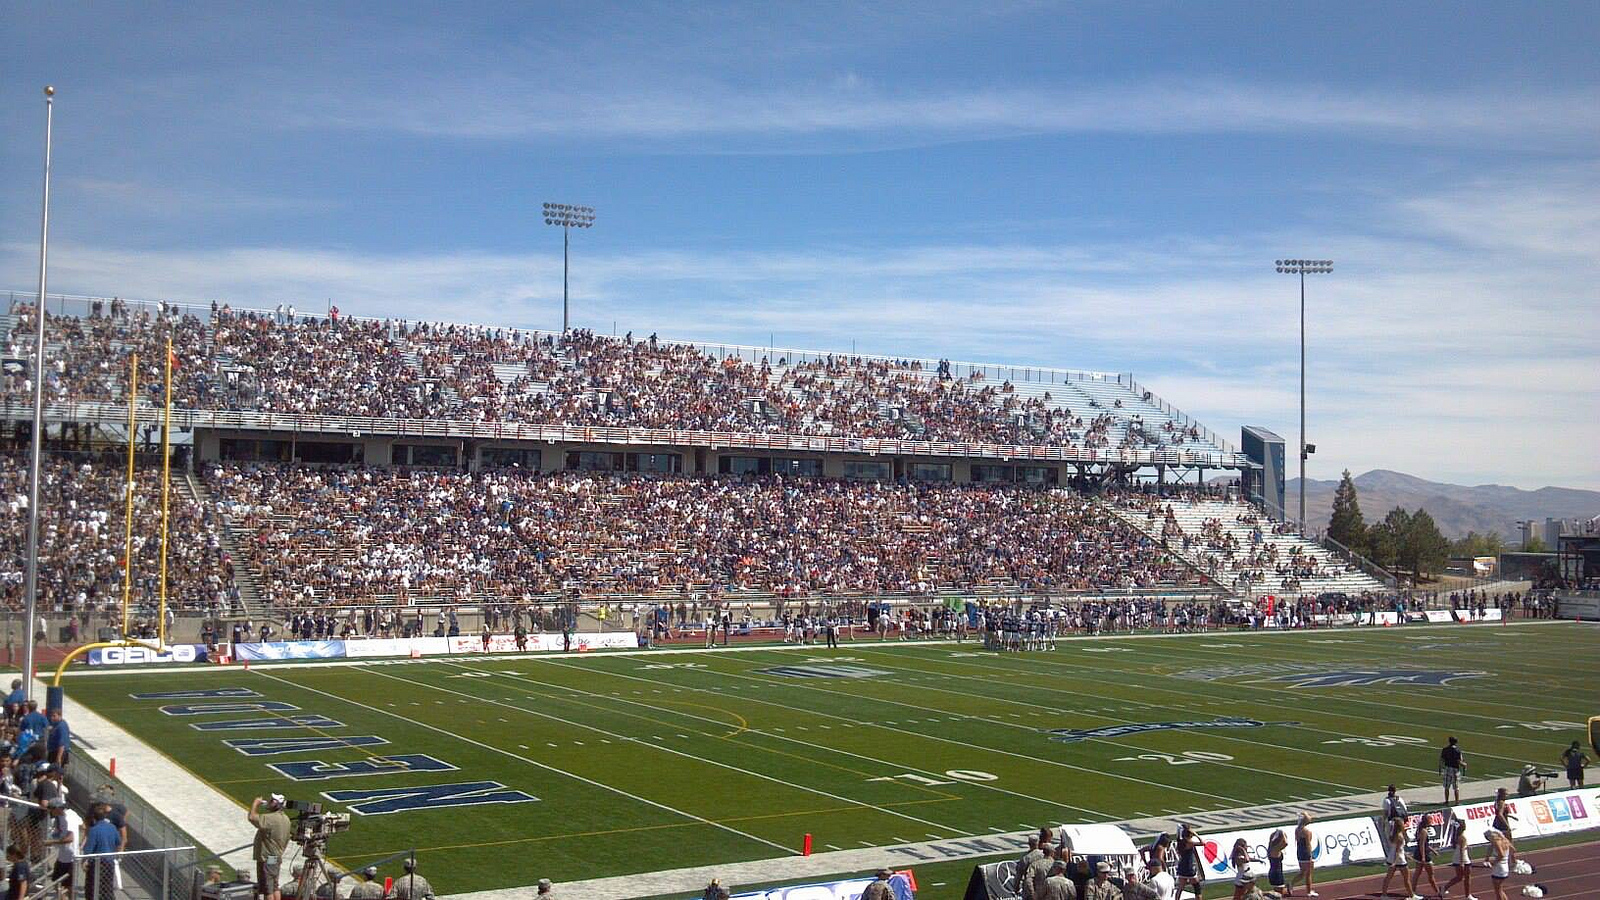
166, 476
31, 605
127, 535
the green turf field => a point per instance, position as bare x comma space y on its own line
648, 761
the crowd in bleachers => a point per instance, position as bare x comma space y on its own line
392, 534
277, 361
81, 540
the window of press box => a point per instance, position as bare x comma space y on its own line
659, 463
1041, 475
593, 461
253, 450
866, 471
764, 465
804, 468
929, 471
989, 474
425, 454
328, 452
526, 458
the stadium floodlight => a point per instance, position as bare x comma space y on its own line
568, 217
1303, 267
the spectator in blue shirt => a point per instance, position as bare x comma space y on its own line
60, 747
102, 837
14, 700
33, 720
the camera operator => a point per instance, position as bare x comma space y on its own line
1531, 782
272, 836
410, 886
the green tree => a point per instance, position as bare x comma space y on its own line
1426, 549
1534, 544
1346, 525
1386, 540
1475, 544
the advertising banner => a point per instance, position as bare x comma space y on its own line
1441, 616
423, 646
545, 643
902, 884
289, 650
138, 656
1335, 843
1556, 812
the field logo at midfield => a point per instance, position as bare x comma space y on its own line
1312, 675
1073, 735
829, 671
1368, 677
383, 801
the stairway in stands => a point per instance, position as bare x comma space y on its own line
255, 608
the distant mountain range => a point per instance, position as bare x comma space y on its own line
1457, 508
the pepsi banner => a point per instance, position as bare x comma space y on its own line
1336, 843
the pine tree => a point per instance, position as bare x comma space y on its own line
1346, 525
1425, 547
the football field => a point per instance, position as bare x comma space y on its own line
503, 770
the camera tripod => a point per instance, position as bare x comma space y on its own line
315, 873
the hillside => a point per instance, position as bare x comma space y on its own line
1457, 508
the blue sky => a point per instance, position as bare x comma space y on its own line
1098, 186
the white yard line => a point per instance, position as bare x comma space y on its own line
532, 762
710, 762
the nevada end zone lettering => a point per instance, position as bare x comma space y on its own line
317, 770
383, 801
206, 709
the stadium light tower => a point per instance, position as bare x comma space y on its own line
568, 217
1303, 267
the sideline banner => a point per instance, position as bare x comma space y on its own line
582, 641
370, 647
289, 650
1441, 616
1335, 843
903, 884
138, 656
1542, 815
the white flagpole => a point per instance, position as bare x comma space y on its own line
31, 606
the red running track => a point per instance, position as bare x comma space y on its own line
1567, 873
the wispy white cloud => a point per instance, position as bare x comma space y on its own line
508, 106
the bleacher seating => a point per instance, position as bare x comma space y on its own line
1244, 551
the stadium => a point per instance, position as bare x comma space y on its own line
316, 603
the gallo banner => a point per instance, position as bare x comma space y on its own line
1335, 843
138, 656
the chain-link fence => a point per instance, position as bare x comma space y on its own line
158, 860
